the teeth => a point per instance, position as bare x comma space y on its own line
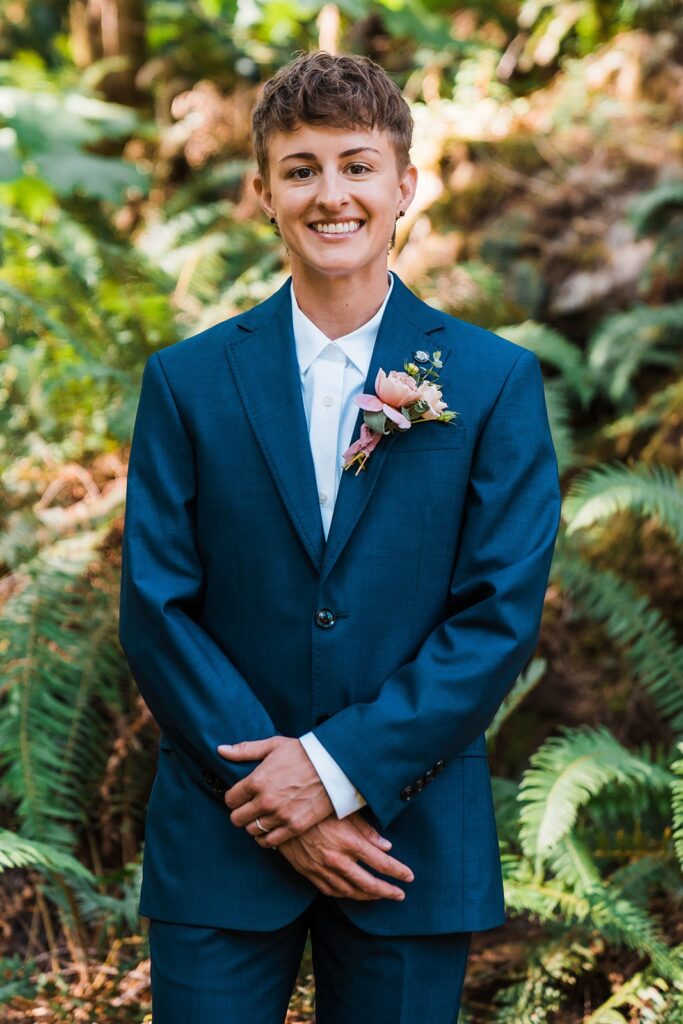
336, 229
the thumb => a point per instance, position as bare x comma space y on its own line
247, 750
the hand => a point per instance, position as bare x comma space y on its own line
327, 855
285, 791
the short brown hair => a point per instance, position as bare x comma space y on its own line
343, 90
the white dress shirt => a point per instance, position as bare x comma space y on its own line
332, 373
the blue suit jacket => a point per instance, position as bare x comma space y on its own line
435, 570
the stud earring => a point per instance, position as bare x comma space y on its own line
273, 220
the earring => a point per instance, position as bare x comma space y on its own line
392, 243
277, 232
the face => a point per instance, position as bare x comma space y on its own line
336, 195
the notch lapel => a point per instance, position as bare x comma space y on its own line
262, 356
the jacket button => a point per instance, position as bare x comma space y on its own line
440, 765
419, 785
324, 617
407, 793
429, 775
321, 718
207, 775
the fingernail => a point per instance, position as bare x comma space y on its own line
225, 746
386, 843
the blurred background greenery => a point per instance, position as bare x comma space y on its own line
550, 210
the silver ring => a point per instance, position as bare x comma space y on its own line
261, 826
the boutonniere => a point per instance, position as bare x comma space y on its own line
402, 398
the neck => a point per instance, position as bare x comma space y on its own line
339, 305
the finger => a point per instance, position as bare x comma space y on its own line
247, 750
341, 888
238, 794
247, 813
383, 862
367, 883
373, 835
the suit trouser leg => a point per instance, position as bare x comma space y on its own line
222, 975
384, 979
227, 976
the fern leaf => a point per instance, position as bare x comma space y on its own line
639, 629
567, 771
650, 490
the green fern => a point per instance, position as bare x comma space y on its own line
64, 680
645, 489
625, 342
640, 630
677, 804
567, 771
651, 212
18, 852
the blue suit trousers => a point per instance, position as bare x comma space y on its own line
203, 975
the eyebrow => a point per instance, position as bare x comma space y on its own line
347, 152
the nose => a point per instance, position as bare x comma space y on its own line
331, 190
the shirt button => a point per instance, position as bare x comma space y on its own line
328, 400
323, 497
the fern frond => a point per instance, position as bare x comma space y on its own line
624, 342
677, 804
646, 489
559, 418
651, 211
523, 686
640, 630
18, 852
567, 771
63, 681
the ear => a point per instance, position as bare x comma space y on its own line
407, 185
264, 195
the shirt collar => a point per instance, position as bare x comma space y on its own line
357, 346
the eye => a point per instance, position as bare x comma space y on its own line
296, 171
362, 167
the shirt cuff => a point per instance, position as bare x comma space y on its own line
341, 791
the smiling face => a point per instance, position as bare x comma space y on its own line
336, 194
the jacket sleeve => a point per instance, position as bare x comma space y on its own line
435, 705
191, 687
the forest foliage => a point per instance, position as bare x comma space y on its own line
550, 210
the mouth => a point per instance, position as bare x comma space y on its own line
336, 229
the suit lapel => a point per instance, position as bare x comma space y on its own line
263, 359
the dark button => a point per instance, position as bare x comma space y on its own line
407, 793
429, 775
325, 618
440, 765
321, 718
207, 775
419, 785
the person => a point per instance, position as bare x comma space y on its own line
324, 601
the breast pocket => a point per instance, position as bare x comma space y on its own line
431, 436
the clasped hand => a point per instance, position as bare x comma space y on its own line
286, 794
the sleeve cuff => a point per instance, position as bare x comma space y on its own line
341, 791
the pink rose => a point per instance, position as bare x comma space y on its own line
393, 391
431, 394
396, 389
